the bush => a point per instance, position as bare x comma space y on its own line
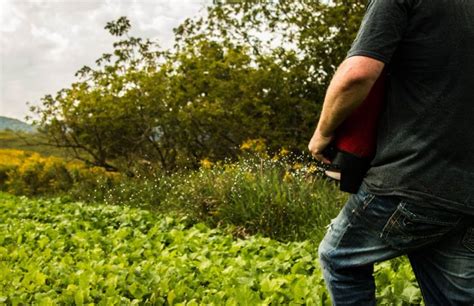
9, 160
91, 183
4, 169
38, 175
33, 175
277, 199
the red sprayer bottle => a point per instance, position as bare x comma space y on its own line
354, 142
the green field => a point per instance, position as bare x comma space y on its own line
29, 142
55, 253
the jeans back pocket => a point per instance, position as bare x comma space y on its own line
412, 226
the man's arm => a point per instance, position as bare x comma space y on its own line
349, 87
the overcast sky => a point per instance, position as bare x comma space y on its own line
44, 42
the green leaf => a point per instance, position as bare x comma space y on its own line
171, 297
79, 297
411, 294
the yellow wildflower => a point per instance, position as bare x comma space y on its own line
206, 163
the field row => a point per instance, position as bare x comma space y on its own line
52, 252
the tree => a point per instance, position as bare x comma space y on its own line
247, 70
109, 117
294, 46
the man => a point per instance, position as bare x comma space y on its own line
418, 196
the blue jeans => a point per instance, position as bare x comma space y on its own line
370, 229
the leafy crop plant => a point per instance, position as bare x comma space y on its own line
58, 253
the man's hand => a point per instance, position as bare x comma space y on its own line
317, 144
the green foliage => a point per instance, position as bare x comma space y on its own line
29, 173
119, 27
276, 198
222, 83
38, 175
109, 117
91, 179
34, 142
395, 281
4, 170
309, 39
55, 252
134, 191
264, 196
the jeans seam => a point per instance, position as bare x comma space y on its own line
430, 220
367, 201
395, 227
336, 245
391, 221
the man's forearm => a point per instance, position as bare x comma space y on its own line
348, 88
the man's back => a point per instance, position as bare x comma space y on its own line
426, 138
425, 153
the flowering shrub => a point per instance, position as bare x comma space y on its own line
12, 157
39, 175
9, 160
29, 173
254, 147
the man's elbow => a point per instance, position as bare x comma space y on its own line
360, 71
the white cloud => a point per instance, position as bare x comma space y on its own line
44, 42
10, 17
53, 42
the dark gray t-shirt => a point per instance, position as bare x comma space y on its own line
425, 149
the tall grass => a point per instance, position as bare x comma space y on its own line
268, 197
277, 197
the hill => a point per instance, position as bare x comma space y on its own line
15, 125
28, 141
